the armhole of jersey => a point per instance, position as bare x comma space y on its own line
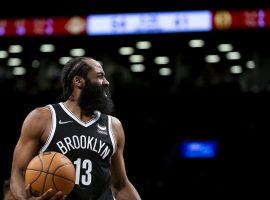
53, 127
114, 143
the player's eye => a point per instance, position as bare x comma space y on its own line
100, 76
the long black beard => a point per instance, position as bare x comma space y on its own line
95, 97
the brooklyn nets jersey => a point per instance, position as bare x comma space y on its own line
89, 146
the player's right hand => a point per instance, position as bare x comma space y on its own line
45, 196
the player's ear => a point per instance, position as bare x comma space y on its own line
78, 81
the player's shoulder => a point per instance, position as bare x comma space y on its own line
115, 121
40, 113
118, 130
117, 127
36, 122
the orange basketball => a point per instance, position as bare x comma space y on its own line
50, 170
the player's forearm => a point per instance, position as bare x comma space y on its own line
17, 185
127, 192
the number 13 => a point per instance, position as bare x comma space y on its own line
87, 177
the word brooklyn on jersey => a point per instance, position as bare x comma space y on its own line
84, 142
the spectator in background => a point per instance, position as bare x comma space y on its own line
7, 192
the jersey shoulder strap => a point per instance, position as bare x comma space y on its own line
53, 127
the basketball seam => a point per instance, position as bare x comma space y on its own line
56, 170
37, 177
39, 173
54, 183
61, 167
53, 175
47, 173
63, 180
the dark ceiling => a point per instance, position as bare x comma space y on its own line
27, 8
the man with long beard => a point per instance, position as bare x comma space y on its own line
81, 128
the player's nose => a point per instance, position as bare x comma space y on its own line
105, 82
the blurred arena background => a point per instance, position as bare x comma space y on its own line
190, 80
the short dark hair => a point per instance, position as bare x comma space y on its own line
74, 67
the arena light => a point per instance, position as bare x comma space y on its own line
136, 58
233, 55
196, 149
165, 71
250, 64
143, 45
212, 58
196, 43
35, 64
3, 54
225, 47
47, 48
126, 50
18, 71
137, 68
15, 49
236, 69
64, 60
161, 60
77, 52
14, 62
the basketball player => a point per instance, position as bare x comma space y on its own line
81, 128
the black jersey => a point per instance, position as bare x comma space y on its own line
89, 146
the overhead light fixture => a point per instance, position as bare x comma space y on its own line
77, 52
165, 71
137, 68
143, 45
236, 69
212, 58
47, 48
14, 62
35, 64
136, 58
126, 50
196, 43
161, 60
233, 55
3, 54
18, 71
225, 47
64, 60
250, 64
15, 49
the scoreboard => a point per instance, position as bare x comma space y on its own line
143, 23
137, 23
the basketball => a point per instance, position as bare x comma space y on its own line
50, 170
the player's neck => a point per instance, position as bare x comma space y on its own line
76, 110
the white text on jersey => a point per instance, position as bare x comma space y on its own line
83, 142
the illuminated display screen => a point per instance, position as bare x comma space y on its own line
149, 23
137, 23
43, 26
241, 19
199, 149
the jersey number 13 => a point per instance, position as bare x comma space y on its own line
85, 178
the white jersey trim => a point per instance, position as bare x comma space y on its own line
53, 127
92, 121
114, 143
